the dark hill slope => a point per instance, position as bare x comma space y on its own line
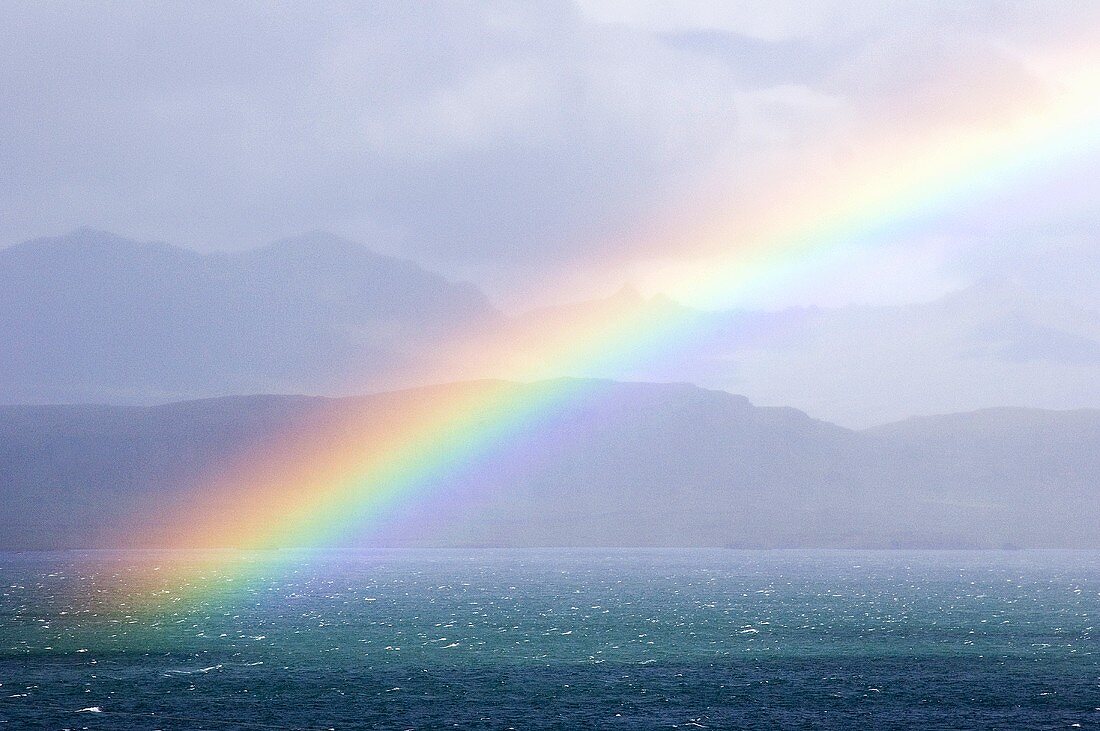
623, 465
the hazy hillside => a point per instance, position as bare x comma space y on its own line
92, 317
95, 317
988, 345
629, 464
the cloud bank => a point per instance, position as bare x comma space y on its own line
509, 141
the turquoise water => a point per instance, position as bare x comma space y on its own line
559, 639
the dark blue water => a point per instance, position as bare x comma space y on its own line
559, 639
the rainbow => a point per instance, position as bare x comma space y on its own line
344, 475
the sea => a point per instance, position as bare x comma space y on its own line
551, 639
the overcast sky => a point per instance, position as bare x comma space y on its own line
543, 149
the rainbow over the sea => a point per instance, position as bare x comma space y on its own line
341, 477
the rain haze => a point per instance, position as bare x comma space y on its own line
553, 157
612, 364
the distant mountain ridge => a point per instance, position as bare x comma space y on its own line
95, 317
991, 344
630, 464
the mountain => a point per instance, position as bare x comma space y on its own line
92, 317
988, 345
95, 317
626, 464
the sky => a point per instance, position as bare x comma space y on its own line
545, 151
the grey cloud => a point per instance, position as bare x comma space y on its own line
476, 130
1061, 259
465, 134
764, 63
